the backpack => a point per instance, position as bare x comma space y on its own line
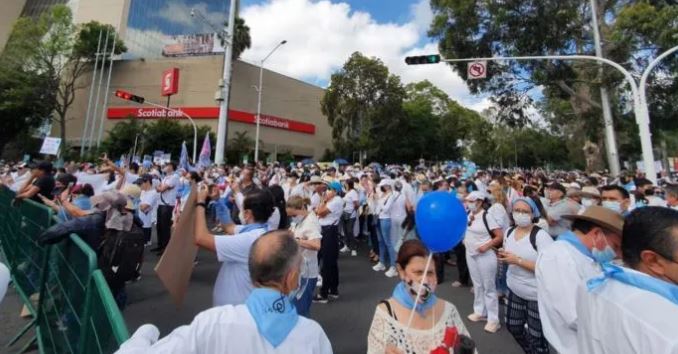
121, 255
533, 235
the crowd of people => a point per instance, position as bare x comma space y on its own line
582, 262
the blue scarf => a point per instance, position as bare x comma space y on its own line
642, 281
402, 294
250, 227
572, 239
273, 313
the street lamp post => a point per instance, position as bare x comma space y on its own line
643, 123
259, 89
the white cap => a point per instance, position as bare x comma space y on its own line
476, 195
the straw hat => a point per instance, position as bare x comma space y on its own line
590, 192
602, 217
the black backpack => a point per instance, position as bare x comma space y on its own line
533, 235
121, 255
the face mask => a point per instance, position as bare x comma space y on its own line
425, 291
472, 207
612, 205
522, 219
587, 202
605, 255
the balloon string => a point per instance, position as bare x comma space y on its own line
419, 290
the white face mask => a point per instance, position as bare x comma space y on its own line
612, 205
587, 202
522, 219
472, 207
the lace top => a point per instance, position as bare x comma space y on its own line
387, 330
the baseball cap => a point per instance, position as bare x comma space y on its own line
476, 195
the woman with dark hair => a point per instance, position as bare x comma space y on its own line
278, 220
390, 331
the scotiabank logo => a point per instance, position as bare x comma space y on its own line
210, 113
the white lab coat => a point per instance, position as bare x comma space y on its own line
617, 318
227, 329
560, 269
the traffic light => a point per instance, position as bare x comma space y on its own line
128, 96
423, 59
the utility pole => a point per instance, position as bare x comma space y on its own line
222, 126
610, 139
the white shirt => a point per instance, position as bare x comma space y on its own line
384, 205
315, 201
399, 209
500, 215
130, 177
233, 284
274, 220
150, 198
336, 207
520, 280
560, 269
618, 318
408, 192
298, 190
169, 196
653, 200
308, 229
351, 199
476, 234
229, 330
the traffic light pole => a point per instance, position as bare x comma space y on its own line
642, 119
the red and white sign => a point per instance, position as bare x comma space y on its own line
476, 70
210, 113
170, 82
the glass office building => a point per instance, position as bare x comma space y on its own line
34, 8
157, 28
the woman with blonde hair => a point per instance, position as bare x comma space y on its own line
499, 210
306, 229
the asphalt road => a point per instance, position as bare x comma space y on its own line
346, 320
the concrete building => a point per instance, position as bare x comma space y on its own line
161, 35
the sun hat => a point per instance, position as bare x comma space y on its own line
600, 216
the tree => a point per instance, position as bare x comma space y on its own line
241, 38
239, 146
363, 104
632, 32
61, 52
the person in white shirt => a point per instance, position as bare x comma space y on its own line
498, 211
307, 232
521, 246
233, 283
384, 206
266, 323
398, 214
568, 262
148, 206
290, 184
168, 198
634, 309
482, 235
329, 213
349, 216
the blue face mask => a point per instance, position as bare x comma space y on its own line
605, 255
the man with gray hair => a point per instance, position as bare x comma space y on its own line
266, 323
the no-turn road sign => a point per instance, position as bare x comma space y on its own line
476, 70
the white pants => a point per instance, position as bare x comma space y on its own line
483, 270
397, 233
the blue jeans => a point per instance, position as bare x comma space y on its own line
502, 288
303, 304
385, 243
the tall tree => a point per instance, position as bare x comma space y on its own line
363, 104
52, 46
241, 37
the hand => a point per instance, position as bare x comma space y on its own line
508, 257
203, 191
484, 247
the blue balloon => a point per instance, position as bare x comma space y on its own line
441, 221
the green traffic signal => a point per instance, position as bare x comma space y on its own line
423, 59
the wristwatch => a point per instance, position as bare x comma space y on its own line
201, 204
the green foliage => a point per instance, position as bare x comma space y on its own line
241, 38
239, 146
163, 134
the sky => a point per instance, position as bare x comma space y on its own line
322, 34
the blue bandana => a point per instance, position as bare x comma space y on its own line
642, 281
402, 294
273, 313
572, 239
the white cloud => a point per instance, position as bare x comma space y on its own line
180, 13
322, 35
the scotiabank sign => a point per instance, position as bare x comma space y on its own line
210, 113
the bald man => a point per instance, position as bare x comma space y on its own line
266, 323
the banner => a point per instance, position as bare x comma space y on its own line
50, 146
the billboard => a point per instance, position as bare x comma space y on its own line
193, 45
